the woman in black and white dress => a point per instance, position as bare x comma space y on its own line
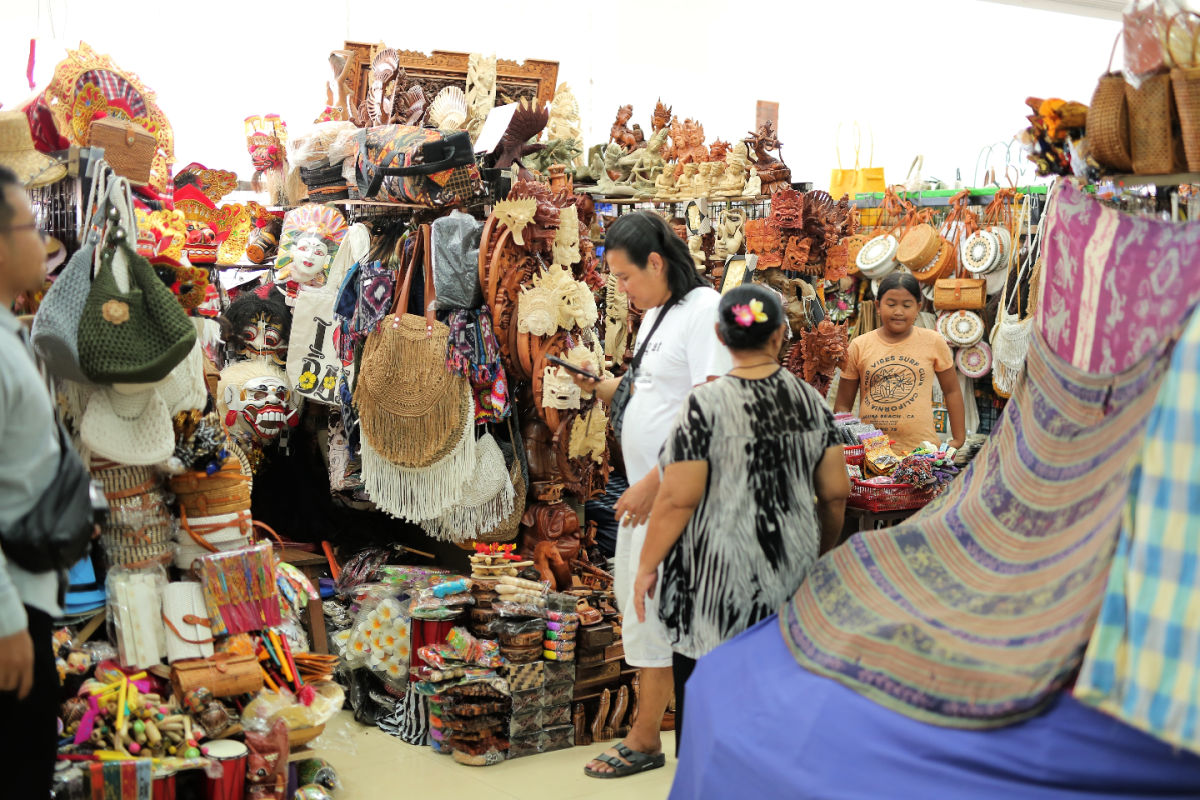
753, 490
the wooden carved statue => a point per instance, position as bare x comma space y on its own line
772, 171
564, 122
661, 118
527, 124
753, 186
731, 233
648, 164
684, 181
687, 138
620, 132
481, 91
551, 522
664, 184
733, 180
718, 150
763, 241
616, 320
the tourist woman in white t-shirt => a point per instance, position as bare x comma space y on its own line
679, 350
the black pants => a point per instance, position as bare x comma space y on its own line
681, 667
29, 727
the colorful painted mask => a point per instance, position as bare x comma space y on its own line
255, 400
310, 240
258, 325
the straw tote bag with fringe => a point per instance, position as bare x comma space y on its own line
416, 418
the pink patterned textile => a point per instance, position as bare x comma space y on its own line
1115, 284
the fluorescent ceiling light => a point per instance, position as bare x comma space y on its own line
1105, 9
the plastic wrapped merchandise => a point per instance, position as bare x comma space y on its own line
135, 615
456, 261
379, 638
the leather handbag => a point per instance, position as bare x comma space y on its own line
423, 166
960, 294
128, 148
55, 533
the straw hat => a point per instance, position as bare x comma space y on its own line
18, 154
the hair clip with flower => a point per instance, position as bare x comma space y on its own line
747, 315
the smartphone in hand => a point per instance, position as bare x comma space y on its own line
569, 367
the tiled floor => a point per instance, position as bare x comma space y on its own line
376, 766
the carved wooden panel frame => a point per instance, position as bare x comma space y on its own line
534, 79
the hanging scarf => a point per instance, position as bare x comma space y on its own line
474, 353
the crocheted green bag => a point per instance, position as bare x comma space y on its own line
137, 336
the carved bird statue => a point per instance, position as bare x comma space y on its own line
527, 123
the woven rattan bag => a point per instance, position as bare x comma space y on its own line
1156, 147
410, 405
1108, 120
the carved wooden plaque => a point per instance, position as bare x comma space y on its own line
533, 79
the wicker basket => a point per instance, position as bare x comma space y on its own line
880, 497
919, 247
1152, 124
1186, 85
934, 269
1108, 123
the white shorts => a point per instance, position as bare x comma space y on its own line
646, 643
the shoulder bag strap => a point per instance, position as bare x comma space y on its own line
430, 291
400, 304
637, 359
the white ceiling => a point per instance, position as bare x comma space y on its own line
1105, 9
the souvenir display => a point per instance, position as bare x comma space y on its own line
374, 477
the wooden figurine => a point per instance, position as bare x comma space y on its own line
582, 736
481, 91
753, 187
620, 132
733, 180
267, 763
600, 731
620, 707
772, 171
564, 119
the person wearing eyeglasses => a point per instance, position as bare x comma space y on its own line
29, 455
676, 349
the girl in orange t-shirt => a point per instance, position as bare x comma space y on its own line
895, 366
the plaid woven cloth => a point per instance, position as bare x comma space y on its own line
1143, 662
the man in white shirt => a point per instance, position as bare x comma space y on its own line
29, 455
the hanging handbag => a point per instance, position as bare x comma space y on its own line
134, 335
314, 365
410, 405
624, 389
402, 164
860, 180
487, 498
959, 292
416, 418
128, 148
456, 240
1108, 120
55, 333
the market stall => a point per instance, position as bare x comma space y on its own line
343, 458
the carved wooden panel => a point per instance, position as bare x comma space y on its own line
533, 79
